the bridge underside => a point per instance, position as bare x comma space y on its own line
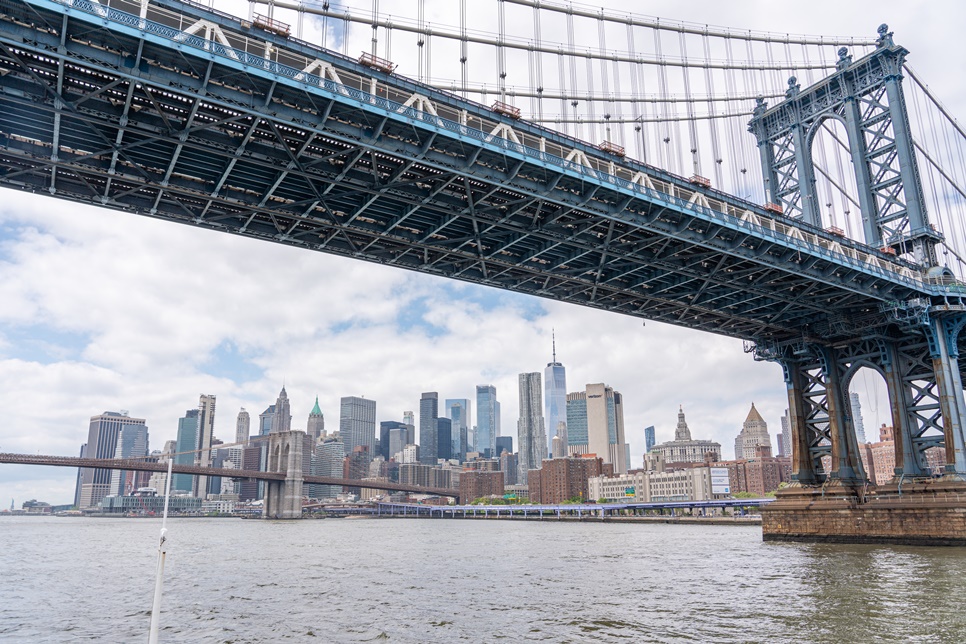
113, 118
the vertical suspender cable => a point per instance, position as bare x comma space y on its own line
732, 144
573, 72
689, 103
463, 45
388, 47
375, 27
500, 49
429, 53
300, 16
605, 81
664, 146
345, 36
591, 111
636, 110
713, 124
421, 39
616, 68
539, 63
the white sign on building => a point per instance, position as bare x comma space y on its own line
720, 481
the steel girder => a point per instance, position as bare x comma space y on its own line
95, 114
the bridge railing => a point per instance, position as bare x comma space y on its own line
750, 218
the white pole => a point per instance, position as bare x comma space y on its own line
162, 551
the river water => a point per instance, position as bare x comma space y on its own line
419, 580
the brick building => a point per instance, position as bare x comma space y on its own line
879, 459
562, 479
476, 484
759, 475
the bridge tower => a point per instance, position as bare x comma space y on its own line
913, 344
283, 499
866, 97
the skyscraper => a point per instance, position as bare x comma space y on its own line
184, 450
428, 428
785, 440
649, 438
487, 420
857, 420
410, 419
595, 420
315, 426
101, 443
459, 411
282, 420
386, 442
754, 432
444, 439
243, 427
206, 431
555, 400
503, 444
331, 463
357, 423
397, 440
265, 420
531, 433
132, 442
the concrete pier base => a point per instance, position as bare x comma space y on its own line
928, 512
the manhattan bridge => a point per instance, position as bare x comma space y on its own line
804, 194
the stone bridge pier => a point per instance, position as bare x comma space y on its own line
283, 499
832, 498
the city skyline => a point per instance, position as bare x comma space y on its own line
195, 311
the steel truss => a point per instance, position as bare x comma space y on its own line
866, 97
106, 115
920, 366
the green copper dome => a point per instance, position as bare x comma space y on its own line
315, 410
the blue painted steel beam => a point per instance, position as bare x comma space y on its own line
154, 124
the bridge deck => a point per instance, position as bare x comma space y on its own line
135, 465
271, 138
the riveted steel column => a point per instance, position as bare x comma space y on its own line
803, 468
906, 461
806, 177
846, 464
951, 401
908, 166
863, 177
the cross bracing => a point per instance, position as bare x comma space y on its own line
102, 107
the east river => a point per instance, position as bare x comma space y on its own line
419, 580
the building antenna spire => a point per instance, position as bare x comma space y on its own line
553, 337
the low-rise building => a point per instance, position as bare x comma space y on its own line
563, 479
475, 484
150, 504
690, 484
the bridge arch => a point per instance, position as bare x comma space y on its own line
836, 181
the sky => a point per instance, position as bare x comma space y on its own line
106, 311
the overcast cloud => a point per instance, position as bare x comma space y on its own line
102, 310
